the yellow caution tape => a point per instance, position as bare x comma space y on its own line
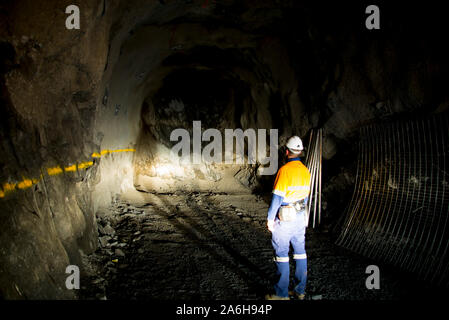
71, 168
54, 171
27, 183
9, 186
84, 165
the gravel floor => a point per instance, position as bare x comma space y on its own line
215, 247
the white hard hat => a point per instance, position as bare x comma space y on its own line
295, 144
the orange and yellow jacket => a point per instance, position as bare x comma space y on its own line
291, 185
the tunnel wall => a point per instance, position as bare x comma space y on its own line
48, 82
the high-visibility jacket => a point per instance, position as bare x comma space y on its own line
292, 184
292, 181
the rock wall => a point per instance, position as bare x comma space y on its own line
48, 82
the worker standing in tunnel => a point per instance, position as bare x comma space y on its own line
287, 221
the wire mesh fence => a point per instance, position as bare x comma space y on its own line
399, 211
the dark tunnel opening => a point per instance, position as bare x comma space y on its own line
89, 179
189, 95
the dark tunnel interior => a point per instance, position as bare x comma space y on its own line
91, 116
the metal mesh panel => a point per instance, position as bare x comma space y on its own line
314, 162
399, 212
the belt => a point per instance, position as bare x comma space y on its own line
293, 203
299, 205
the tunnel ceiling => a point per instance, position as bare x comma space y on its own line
87, 114
301, 53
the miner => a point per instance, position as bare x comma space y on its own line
287, 221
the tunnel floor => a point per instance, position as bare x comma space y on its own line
208, 246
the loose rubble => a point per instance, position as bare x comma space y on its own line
212, 246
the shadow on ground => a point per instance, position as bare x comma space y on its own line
209, 246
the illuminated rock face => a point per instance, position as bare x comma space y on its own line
136, 70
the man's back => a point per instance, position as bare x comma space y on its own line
292, 181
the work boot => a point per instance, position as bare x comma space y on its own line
275, 297
299, 296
